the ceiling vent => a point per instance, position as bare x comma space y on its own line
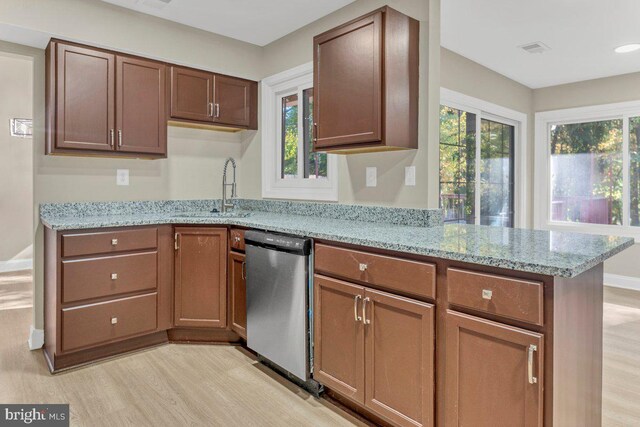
535, 47
156, 4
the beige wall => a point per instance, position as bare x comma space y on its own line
297, 48
16, 189
596, 92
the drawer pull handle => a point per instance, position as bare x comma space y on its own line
487, 294
364, 311
532, 349
363, 267
355, 308
236, 239
243, 270
114, 276
114, 242
114, 320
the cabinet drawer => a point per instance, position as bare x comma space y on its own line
503, 296
411, 277
98, 277
109, 241
105, 322
237, 239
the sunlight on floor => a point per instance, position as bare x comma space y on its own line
16, 290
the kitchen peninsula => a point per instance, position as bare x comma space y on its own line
411, 318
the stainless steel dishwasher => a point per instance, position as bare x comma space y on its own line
279, 297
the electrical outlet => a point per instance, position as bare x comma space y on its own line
372, 177
410, 175
122, 177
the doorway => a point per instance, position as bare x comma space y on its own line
16, 187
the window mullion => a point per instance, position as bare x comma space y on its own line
300, 134
626, 191
478, 162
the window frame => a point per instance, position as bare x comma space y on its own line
273, 88
542, 187
497, 113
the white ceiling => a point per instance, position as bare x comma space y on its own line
255, 21
581, 34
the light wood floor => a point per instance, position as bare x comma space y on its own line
175, 385
15, 290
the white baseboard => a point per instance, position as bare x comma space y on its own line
623, 282
16, 265
36, 338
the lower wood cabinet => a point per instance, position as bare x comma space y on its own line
106, 291
375, 348
200, 277
494, 373
238, 289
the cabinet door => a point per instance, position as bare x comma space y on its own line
141, 123
85, 98
348, 84
191, 94
339, 336
232, 101
399, 351
494, 374
238, 286
201, 277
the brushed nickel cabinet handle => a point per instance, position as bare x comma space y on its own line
355, 308
217, 110
175, 242
114, 276
114, 242
114, 320
487, 294
363, 267
236, 239
119, 137
532, 349
243, 270
315, 132
364, 311
112, 137
210, 109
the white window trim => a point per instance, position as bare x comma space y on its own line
273, 186
542, 186
508, 116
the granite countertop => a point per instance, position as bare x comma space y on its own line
551, 253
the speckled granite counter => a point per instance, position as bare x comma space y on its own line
416, 231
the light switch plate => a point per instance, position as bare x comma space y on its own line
372, 177
410, 175
122, 177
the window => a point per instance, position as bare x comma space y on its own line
477, 161
589, 166
290, 167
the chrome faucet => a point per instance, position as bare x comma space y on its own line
225, 205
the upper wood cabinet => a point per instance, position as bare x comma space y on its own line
140, 106
81, 104
375, 348
213, 99
201, 277
494, 373
366, 84
100, 102
191, 94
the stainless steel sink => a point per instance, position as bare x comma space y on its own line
207, 214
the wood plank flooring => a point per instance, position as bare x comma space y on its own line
176, 385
